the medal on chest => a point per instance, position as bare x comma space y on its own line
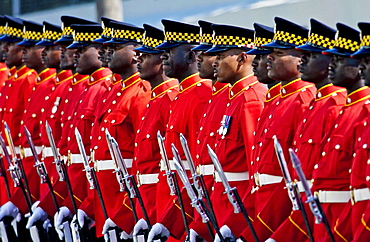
225, 124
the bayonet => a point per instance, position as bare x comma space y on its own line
57, 161
167, 167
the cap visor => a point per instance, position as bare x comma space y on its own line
113, 41
100, 40
202, 47
63, 40
310, 48
166, 45
258, 52
148, 50
27, 42
278, 46
335, 51
77, 45
217, 49
6, 38
361, 53
45, 43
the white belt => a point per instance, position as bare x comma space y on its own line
233, 176
47, 152
300, 186
17, 150
28, 153
265, 179
205, 170
172, 165
333, 196
358, 195
75, 159
143, 179
102, 165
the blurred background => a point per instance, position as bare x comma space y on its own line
235, 12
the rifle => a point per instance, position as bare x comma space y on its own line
199, 184
314, 202
2, 170
172, 182
232, 193
196, 202
63, 176
293, 191
18, 175
90, 174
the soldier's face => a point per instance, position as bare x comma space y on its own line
12, 54
86, 60
66, 58
226, 65
150, 66
283, 64
50, 56
32, 57
259, 65
364, 68
121, 57
314, 66
103, 54
344, 71
205, 65
176, 60
2, 52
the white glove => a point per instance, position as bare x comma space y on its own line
33, 207
46, 225
81, 216
64, 213
125, 236
38, 214
9, 209
270, 240
193, 236
158, 229
225, 232
140, 225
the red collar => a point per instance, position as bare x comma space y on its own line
327, 91
294, 87
116, 78
273, 92
45, 75
131, 80
12, 72
190, 81
99, 75
243, 84
63, 76
218, 87
22, 72
358, 95
164, 87
77, 78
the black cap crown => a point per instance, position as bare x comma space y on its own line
347, 41
2, 26
51, 34
107, 30
321, 37
287, 35
262, 35
33, 33
227, 37
177, 33
206, 36
13, 29
365, 41
67, 21
83, 35
152, 38
125, 32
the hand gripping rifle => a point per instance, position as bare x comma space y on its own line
314, 202
90, 175
292, 188
63, 176
196, 201
18, 175
172, 182
232, 193
198, 182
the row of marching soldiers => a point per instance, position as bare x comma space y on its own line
115, 119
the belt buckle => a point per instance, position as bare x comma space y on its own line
69, 158
22, 153
352, 193
257, 179
198, 170
138, 179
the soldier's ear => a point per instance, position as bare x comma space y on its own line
191, 57
242, 58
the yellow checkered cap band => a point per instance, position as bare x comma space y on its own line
365, 40
51, 35
67, 31
206, 38
233, 40
321, 41
178, 36
33, 35
347, 44
259, 41
107, 32
151, 42
2, 30
14, 32
85, 37
289, 38
127, 35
